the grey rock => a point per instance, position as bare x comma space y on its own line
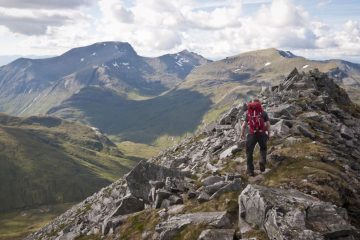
129, 204
311, 115
139, 177
211, 180
229, 152
305, 131
290, 214
174, 199
211, 189
161, 194
169, 228
346, 132
217, 234
280, 129
231, 187
203, 197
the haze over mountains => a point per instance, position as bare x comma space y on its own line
109, 86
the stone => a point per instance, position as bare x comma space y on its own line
191, 194
138, 178
211, 180
161, 194
211, 189
169, 228
290, 141
229, 152
217, 234
129, 204
280, 129
311, 115
346, 132
203, 197
231, 187
174, 199
290, 214
305, 131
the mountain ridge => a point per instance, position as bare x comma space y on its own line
199, 187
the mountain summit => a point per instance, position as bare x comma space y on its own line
35, 86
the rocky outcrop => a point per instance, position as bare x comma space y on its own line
290, 214
313, 162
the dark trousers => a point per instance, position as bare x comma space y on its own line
251, 141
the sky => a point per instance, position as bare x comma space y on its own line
317, 29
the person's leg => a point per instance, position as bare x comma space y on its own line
250, 145
262, 139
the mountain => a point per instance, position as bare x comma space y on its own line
46, 160
199, 189
206, 92
30, 86
152, 100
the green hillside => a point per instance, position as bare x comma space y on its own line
45, 160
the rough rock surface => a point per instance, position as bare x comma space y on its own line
290, 214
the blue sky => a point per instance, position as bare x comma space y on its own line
318, 29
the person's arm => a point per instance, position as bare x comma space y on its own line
268, 128
243, 127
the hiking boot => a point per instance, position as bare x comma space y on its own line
262, 167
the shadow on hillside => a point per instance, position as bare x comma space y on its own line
174, 113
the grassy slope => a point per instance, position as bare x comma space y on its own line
62, 163
46, 161
18, 224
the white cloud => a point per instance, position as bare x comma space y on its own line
213, 28
44, 4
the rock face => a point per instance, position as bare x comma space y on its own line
138, 179
290, 214
194, 187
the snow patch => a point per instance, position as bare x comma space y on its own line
115, 64
267, 64
306, 66
180, 61
94, 54
125, 63
237, 70
82, 59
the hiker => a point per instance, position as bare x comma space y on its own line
258, 123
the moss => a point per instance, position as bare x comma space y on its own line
226, 202
89, 237
256, 233
190, 232
135, 225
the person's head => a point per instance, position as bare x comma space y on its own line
256, 100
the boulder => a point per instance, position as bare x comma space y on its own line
290, 214
169, 228
346, 132
305, 131
216, 234
229, 152
230, 187
211, 180
129, 204
211, 189
161, 195
280, 129
138, 178
203, 197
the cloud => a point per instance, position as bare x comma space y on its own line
31, 25
44, 4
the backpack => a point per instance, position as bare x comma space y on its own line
255, 117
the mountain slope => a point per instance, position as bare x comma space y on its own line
34, 86
46, 160
199, 188
208, 91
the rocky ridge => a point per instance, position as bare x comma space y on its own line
199, 189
